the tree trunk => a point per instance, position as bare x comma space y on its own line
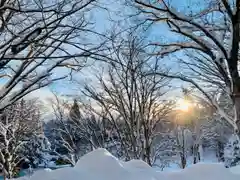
4, 174
148, 155
147, 146
194, 160
183, 161
236, 101
196, 154
219, 151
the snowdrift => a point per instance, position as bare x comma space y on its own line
101, 165
235, 170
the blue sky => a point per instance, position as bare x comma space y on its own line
101, 17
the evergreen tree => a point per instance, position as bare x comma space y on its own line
37, 149
232, 152
74, 113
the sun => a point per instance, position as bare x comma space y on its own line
183, 105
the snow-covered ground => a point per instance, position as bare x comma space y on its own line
101, 165
206, 157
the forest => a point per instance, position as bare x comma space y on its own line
152, 80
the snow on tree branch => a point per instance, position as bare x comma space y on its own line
213, 31
38, 36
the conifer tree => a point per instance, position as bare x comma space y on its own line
232, 152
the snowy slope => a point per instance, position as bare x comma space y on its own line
101, 165
235, 170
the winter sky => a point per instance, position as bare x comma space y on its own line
102, 19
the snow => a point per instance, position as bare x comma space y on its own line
208, 156
232, 151
202, 171
235, 169
139, 164
101, 165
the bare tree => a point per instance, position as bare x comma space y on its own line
38, 37
134, 104
77, 130
18, 122
210, 36
64, 132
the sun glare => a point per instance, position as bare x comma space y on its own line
183, 105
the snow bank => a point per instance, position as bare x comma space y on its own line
101, 165
139, 164
235, 169
211, 171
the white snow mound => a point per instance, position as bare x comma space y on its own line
139, 164
211, 171
235, 169
102, 165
